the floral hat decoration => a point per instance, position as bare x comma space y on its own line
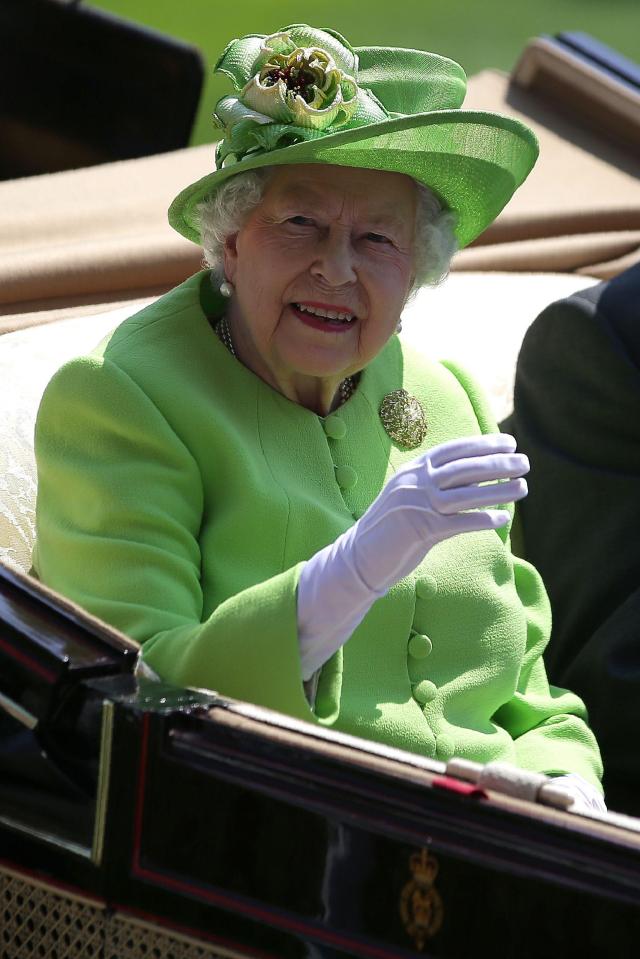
304, 95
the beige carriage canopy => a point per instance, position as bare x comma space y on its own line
80, 240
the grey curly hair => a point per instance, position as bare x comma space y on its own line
223, 214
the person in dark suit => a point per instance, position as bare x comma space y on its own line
577, 416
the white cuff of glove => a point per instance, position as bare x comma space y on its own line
332, 602
586, 797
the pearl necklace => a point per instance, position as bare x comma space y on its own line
224, 335
347, 387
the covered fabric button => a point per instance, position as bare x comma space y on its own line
425, 691
346, 477
445, 746
419, 646
426, 587
335, 427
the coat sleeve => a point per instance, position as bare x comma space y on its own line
548, 724
119, 509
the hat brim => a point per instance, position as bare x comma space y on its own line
473, 162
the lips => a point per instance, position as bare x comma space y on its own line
325, 316
329, 312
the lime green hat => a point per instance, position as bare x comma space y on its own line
304, 95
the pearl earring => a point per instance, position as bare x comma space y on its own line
226, 288
399, 327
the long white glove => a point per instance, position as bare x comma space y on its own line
423, 504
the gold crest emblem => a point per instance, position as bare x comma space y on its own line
403, 419
421, 907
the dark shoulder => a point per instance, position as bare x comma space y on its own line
611, 298
605, 316
620, 296
582, 303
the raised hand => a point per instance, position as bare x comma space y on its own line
429, 499
448, 490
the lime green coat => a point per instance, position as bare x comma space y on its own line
179, 495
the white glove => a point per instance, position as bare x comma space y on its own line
586, 798
423, 504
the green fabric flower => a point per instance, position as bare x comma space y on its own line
294, 85
302, 85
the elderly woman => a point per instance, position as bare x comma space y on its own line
252, 476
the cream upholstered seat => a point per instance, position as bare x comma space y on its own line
28, 360
478, 320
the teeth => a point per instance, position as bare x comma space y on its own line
327, 314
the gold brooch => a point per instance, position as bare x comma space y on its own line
420, 902
403, 418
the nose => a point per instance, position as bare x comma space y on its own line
335, 260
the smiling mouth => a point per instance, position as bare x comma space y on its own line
324, 317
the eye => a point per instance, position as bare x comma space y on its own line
377, 238
301, 221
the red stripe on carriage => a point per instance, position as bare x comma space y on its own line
449, 784
27, 660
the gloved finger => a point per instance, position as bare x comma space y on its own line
479, 520
471, 446
585, 796
476, 497
481, 469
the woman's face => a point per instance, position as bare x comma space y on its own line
324, 239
